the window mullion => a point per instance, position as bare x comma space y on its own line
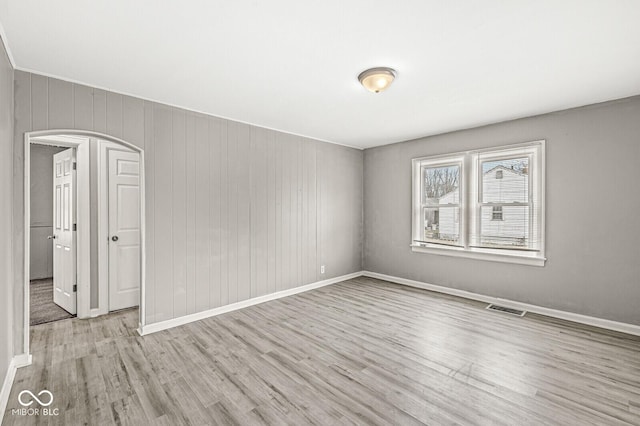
465, 200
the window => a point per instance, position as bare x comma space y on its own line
496, 214
486, 204
440, 193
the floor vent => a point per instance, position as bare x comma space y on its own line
506, 310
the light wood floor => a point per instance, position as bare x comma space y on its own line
363, 351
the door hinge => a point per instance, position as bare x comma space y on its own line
74, 165
75, 288
75, 226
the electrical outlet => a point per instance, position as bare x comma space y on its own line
322, 269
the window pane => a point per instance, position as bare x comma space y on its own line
442, 224
441, 185
497, 213
512, 230
505, 181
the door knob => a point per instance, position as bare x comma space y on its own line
51, 237
114, 238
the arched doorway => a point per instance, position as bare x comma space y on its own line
86, 296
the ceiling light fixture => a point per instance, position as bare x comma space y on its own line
377, 79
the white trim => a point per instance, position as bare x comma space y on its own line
23, 360
622, 327
27, 244
164, 325
542, 170
492, 255
6, 387
83, 234
554, 313
58, 140
208, 114
419, 204
77, 138
16, 362
103, 253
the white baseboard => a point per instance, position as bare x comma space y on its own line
164, 325
555, 313
23, 360
6, 387
96, 312
16, 362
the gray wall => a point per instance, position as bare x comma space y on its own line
233, 211
593, 170
6, 221
41, 260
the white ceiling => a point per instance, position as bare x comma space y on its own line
292, 65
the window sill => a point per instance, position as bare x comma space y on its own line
493, 255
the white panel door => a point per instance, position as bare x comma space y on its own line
124, 230
64, 237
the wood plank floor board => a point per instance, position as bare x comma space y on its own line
223, 413
345, 402
184, 397
363, 351
301, 343
328, 411
127, 411
116, 379
279, 337
204, 385
92, 403
260, 416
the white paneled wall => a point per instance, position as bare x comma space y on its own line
233, 211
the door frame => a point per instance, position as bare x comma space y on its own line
80, 140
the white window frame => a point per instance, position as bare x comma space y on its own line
444, 162
471, 202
